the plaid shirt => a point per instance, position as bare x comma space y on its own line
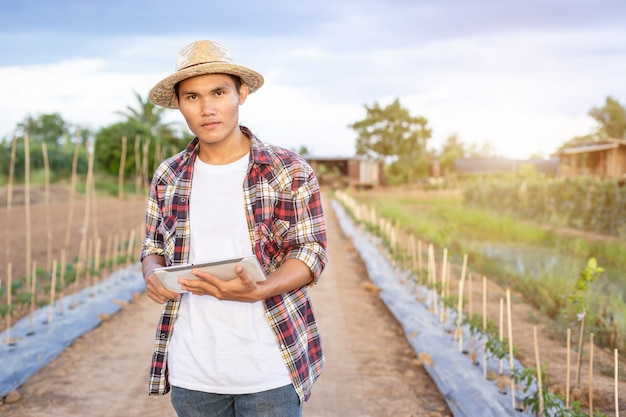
285, 220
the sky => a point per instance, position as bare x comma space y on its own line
519, 75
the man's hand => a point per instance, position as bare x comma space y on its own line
242, 288
156, 291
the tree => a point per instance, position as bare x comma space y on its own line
150, 117
391, 134
145, 122
451, 150
612, 119
50, 128
59, 137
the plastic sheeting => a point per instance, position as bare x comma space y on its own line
34, 341
466, 391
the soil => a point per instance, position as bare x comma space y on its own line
371, 369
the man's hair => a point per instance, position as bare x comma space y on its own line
235, 79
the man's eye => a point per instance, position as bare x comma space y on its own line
219, 93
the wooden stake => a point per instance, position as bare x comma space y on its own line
484, 327
70, 210
500, 330
33, 294
46, 164
579, 359
9, 300
510, 330
459, 318
52, 291
120, 181
444, 265
539, 372
419, 256
567, 376
27, 203
9, 216
591, 374
616, 382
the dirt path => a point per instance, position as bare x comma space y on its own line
371, 369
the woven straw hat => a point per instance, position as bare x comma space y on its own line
200, 58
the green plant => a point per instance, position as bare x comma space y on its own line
588, 275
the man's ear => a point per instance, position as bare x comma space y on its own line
243, 93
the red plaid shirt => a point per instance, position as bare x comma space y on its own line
285, 220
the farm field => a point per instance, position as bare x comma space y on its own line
553, 352
344, 301
371, 370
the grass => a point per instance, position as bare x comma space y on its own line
447, 221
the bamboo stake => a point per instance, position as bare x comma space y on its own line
539, 373
510, 330
83, 254
591, 374
442, 296
27, 202
109, 253
484, 327
46, 164
7, 246
33, 295
567, 377
97, 256
52, 291
616, 382
580, 346
70, 210
9, 300
419, 255
459, 318
120, 182
137, 165
146, 149
62, 280
500, 331
447, 296
131, 245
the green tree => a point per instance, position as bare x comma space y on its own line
451, 150
59, 137
392, 135
146, 122
612, 119
150, 116
50, 128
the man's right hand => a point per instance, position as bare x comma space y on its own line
156, 291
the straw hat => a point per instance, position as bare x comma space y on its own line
200, 58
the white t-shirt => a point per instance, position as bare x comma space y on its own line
222, 347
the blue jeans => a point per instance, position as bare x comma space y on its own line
279, 402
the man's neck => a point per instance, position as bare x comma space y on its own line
225, 152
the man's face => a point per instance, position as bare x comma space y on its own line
210, 105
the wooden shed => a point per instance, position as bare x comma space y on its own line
342, 172
604, 158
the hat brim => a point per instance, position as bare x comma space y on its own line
162, 94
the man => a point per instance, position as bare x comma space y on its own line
239, 347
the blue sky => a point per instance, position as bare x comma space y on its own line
521, 75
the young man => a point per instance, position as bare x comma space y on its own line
239, 347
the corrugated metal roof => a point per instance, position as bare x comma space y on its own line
586, 148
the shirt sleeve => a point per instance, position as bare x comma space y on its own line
153, 243
308, 232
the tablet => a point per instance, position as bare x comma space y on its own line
223, 269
